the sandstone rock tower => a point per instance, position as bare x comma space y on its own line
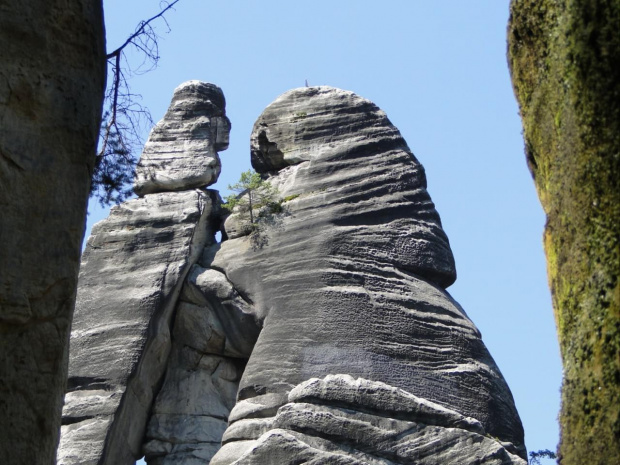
331, 339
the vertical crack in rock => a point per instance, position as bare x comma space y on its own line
131, 276
214, 333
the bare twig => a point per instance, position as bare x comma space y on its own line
142, 29
125, 117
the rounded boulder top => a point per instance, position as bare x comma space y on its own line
182, 150
199, 96
310, 122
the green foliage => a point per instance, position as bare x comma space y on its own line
254, 198
273, 208
299, 115
288, 198
114, 170
536, 456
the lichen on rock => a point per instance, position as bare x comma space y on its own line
564, 59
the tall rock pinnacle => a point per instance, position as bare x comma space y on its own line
323, 333
131, 276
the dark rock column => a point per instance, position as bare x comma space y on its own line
565, 63
52, 75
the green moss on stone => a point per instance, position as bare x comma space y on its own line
288, 198
565, 62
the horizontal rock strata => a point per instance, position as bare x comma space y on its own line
321, 333
132, 275
349, 279
181, 152
348, 423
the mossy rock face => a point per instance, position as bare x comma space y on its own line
565, 62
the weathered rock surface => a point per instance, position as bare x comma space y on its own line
322, 334
138, 318
181, 152
349, 279
52, 76
132, 273
564, 59
344, 420
214, 332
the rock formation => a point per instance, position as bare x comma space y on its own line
52, 75
199, 129
131, 277
350, 289
564, 61
321, 334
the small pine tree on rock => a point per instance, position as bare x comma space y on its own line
254, 199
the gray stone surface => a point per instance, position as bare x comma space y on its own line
52, 78
214, 332
346, 391
340, 419
181, 152
132, 272
323, 334
132, 275
349, 279
337, 430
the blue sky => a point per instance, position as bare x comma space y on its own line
438, 68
